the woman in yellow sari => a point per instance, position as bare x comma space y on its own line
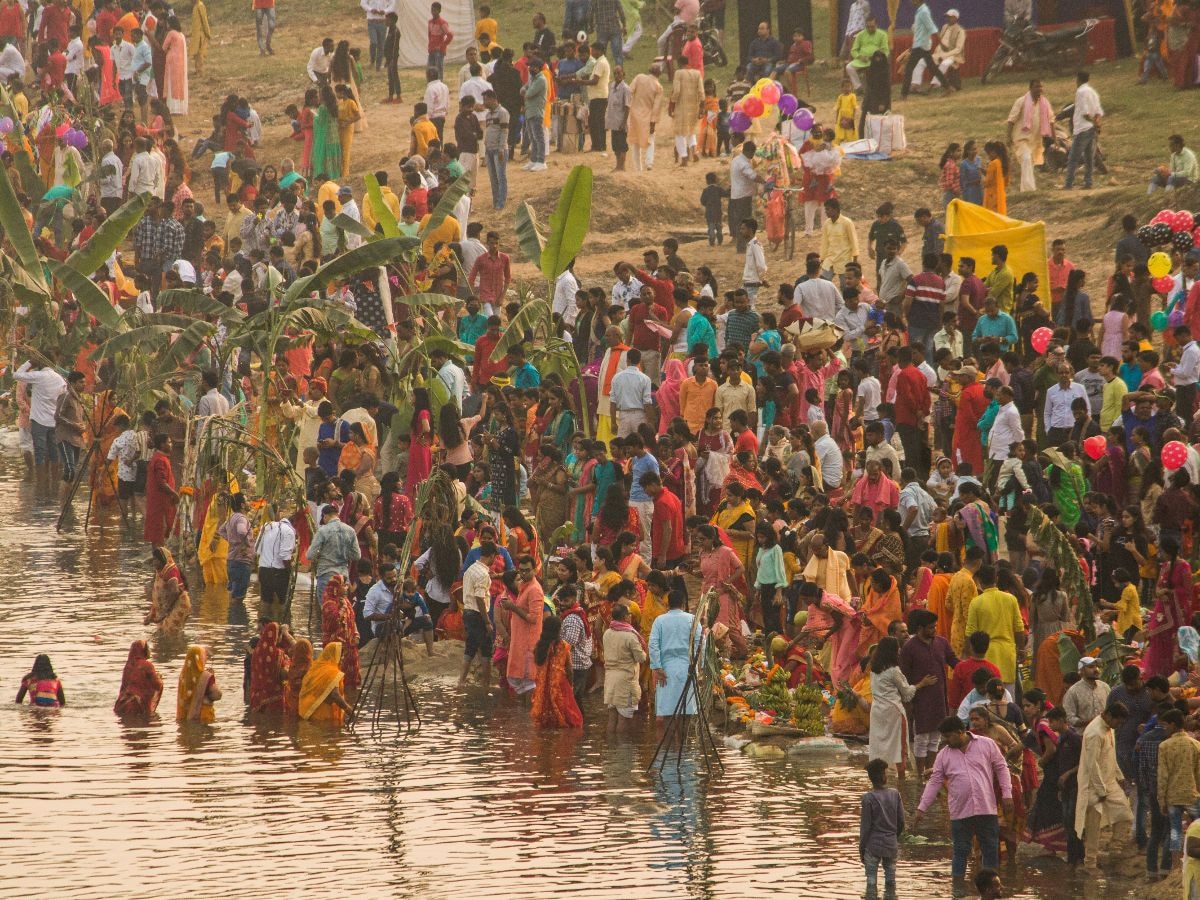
736, 517
213, 550
197, 689
857, 721
359, 454
321, 697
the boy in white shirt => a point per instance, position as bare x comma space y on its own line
754, 274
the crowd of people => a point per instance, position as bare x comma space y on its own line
934, 490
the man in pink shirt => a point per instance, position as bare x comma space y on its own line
492, 272
440, 37
969, 765
1060, 267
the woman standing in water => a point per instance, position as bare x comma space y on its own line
198, 689
141, 685
553, 704
321, 697
268, 671
170, 603
42, 685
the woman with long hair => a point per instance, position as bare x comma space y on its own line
141, 686
616, 515
268, 671
393, 511
995, 179
554, 484
301, 662
175, 77
504, 447
342, 72
1172, 608
42, 685
667, 397
553, 704
420, 442
1049, 611
321, 698
714, 448
769, 577
456, 448
326, 155
338, 624
1075, 305
312, 99
890, 690
198, 689
234, 126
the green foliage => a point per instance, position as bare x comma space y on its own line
383, 215
376, 253
90, 257
534, 316
12, 220
445, 207
529, 235
569, 224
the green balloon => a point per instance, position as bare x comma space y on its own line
1158, 320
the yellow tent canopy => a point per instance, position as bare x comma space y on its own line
973, 231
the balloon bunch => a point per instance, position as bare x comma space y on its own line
1178, 228
767, 100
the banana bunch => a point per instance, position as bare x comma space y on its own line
773, 696
808, 710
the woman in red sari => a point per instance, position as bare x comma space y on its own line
268, 671
553, 704
141, 686
1172, 608
302, 658
420, 443
337, 624
102, 56
721, 570
161, 496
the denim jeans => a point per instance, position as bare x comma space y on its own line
1141, 809
1175, 817
437, 60
575, 17
1083, 150
264, 27
987, 830
1158, 848
871, 864
70, 458
923, 336
238, 572
497, 166
322, 580
536, 135
612, 40
376, 32
45, 445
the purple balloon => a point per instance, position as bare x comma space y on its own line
803, 119
739, 122
1175, 319
788, 105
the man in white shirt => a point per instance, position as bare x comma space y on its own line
12, 63
213, 403
319, 61
565, 305
631, 397
450, 374
437, 99
626, 288
74, 54
377, 11
1085, 124
112, 178
122, 55
159, 159
474, 86
869, 394
377, 605
1186, 374
45, 386
476, 592
351, 211
754, 272
743, 184
1006, 431
276, 547
472, 56
830, 456
1058, 416
143, 172
472, 249
818, 298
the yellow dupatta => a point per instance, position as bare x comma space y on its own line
742, 546
192, 687
324, 676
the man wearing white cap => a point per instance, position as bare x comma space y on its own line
350, 208
950, 52
1087, 697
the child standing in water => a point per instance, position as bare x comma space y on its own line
42, 685
879, 829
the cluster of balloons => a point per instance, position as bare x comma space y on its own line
72, 137
1160, 320
1174, 455
767, 99
1179, 228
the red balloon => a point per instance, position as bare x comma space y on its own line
753, 107
1162, 216
1181, 222
1041, 338
1174, 455
1163, 284
1095, 446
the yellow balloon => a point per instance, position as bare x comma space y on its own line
1159, 265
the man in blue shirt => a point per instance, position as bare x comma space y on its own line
923, 32
642, 462
143, 70
332, 435
995, 324
764, 52
525, 375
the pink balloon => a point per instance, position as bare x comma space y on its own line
1182, 222
770, 93
753, 107
1162, 216
1174, 455
1095, 446
1041, 338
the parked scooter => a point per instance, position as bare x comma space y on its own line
1023, 45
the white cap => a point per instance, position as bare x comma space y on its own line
1085, 661
952, 12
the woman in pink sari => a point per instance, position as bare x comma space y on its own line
109, 92
524, 629
175, 79
674, 373
721, 570
832, 619
1172, 608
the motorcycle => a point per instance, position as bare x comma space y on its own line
1022, 44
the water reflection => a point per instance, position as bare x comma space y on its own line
477, 804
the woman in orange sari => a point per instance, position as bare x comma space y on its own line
301, 662
321, 697
553, 704
268, 671
359, 454
338, 626
880, 607
141, 686
522, 538
939, 587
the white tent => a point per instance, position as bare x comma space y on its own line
413, 21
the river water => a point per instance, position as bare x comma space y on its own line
475, 804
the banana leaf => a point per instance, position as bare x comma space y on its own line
92, 300
198, 303
529, 236
88, 258
376, 253
12, 220
353, 226
186, 343
383, 215
437, 301
531, 316
569, 224
146, 339
445, 207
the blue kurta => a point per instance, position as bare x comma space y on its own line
669, 652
